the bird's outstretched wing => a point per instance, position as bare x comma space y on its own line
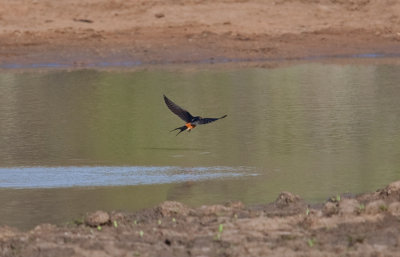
182, 113
208, 120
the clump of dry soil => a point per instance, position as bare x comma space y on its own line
364, 225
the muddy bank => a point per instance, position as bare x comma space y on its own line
364, 225
129, 33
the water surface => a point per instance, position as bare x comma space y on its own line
55, 177
77, 141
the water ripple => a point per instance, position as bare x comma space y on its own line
72, 176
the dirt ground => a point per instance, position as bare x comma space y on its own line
365, 225
87, 33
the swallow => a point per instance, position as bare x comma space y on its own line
191, 121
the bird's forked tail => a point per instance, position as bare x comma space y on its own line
183, 128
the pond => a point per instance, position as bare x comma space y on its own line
77, 141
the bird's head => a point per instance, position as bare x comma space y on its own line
195, 119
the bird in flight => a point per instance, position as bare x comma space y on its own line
191, 121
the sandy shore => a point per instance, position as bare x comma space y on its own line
366, 225
118, 32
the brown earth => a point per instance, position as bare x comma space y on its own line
119, 32
365, 225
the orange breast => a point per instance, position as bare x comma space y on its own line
189, 126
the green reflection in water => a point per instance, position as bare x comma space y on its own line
316, 130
